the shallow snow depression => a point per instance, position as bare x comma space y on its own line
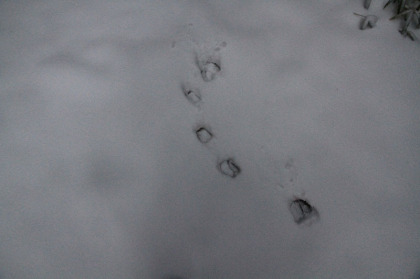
207, 139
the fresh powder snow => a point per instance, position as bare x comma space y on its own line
196, 139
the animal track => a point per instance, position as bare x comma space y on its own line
230, 168
203, 135
209, 70
209, 66
191, 93
302, 211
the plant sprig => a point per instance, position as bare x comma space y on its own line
409, 13
368, 21
406, 10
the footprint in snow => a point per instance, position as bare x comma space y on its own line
204, 135
303, 212
229, 167
192, 93
210, 66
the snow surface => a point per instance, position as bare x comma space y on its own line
102, 175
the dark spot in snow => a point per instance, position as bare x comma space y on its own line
209, 65
203, 135
209, 70
192, 94
230, 168
302, 211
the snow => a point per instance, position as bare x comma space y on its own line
103, 176
229, 167
192, 94
303, 212
203, 135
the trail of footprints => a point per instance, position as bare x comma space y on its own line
210, 67
301, 210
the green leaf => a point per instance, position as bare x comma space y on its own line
408, 20
359, 15
389, 2
408, 33
411, 35
400, 14
401, 6
416, 19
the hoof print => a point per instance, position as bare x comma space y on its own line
209, 70
209, 66
230, 168
302, 211
192, 94
203, 135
